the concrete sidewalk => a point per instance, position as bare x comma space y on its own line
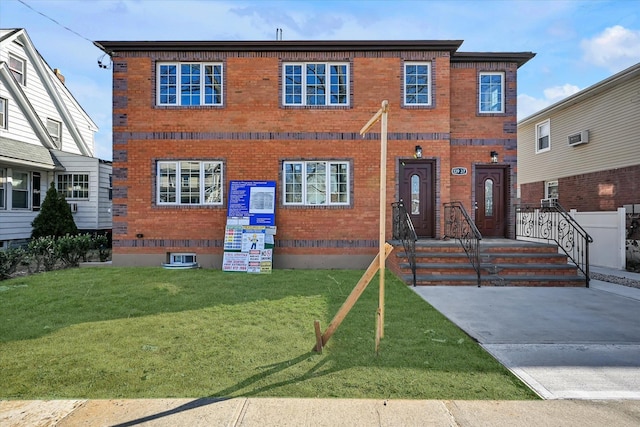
319, 412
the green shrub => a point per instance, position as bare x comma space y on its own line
44, 252
9, 261
55, 217
101, 244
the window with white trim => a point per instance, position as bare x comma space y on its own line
20, 190
189, 83
54, 128
18, 67
3, 113
315, 84
491, 93
551, 190
313, 183
189, 182
3, 191
543, 137
74, 185
417, 83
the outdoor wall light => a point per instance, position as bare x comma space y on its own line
139, 235
494, 157
418, 154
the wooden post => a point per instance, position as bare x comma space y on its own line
381, 114
383, 210
350, 301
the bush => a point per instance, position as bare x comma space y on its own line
71, 249
9, 261
55, 217
44, 252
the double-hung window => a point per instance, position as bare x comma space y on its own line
3, 113
316, 84
543, 142
54, 128
74, 185
20, 190
189, 84
3, 184
18, 67
491, 93
417, 83
313, 183
189, 182
551, 190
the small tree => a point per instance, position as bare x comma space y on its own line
55, 217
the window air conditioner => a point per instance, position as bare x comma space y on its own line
74, 207
548, 203
579, 138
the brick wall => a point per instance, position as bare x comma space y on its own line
253, 133
598, 191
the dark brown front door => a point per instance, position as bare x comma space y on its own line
490, 201
417, 191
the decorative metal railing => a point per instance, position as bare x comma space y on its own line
459, 225
403, 230
552, 223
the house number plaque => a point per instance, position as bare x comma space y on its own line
458, 171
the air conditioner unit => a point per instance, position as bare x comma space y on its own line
548, 203
74, 207
579, 138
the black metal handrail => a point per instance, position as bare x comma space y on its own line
459, 225
403, 230
554, 224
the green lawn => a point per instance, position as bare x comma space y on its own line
152, 333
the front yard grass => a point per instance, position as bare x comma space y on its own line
155, 333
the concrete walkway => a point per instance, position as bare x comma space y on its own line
565, 343
577, 347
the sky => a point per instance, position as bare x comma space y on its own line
577, 43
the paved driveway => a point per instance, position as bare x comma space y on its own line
565, 343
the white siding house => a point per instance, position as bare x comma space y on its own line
45, 137
585, 150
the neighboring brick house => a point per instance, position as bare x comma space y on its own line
584, 151
207, 113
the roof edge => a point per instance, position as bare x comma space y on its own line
277, 45
587, 92
520, 58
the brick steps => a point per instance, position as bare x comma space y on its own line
503, 263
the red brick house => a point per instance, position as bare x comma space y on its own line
209, 112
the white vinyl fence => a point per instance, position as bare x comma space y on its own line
608, 232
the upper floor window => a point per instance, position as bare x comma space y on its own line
189, 183
18, 67
491, 93
543, 141
3, 113
74, 186
20, 190
54, 128
417, 83
189, 83
314, 183
316, 84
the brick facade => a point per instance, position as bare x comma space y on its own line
252, 133
605, 190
